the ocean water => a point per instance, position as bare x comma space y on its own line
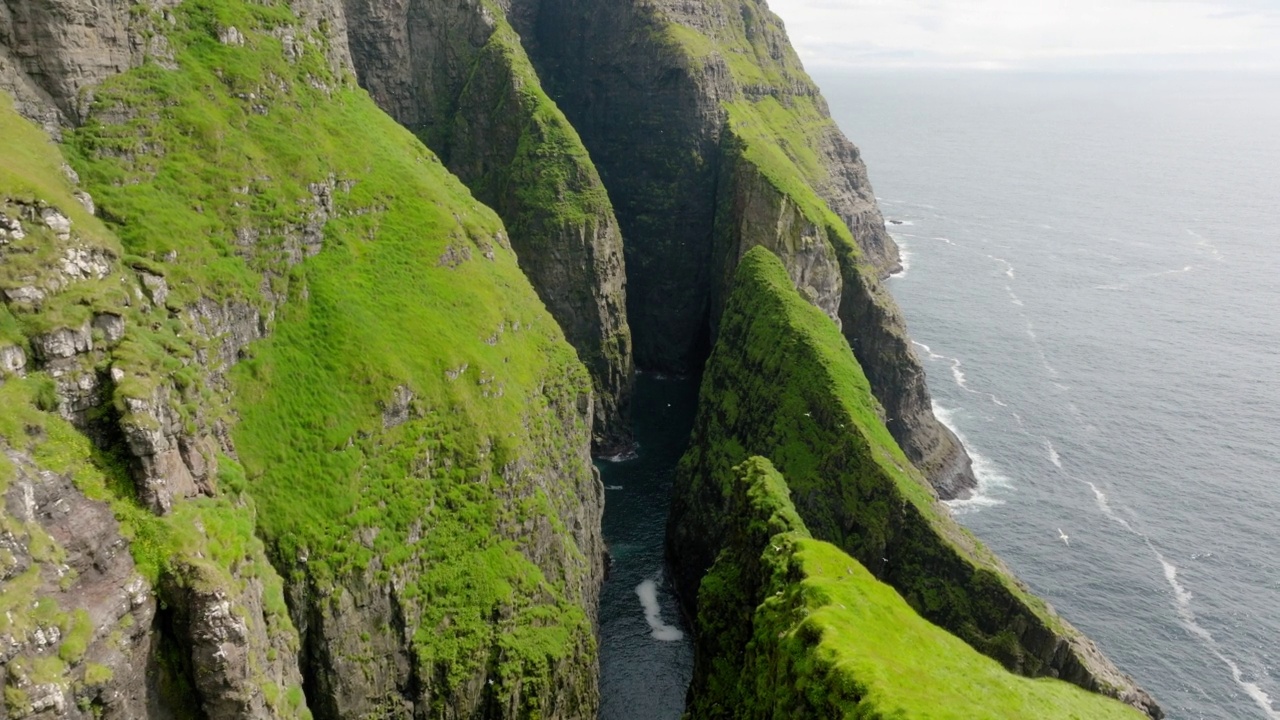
1093, 283
646, 653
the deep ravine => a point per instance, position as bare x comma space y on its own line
643, 677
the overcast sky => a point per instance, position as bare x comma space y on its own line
1032, 34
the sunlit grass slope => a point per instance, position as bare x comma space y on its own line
807, 632
249, 171
783, 383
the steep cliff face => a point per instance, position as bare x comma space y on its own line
782, 383
137, 614
792, 627
458, 76
713, 140
296, 337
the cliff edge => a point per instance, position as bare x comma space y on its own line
782, 384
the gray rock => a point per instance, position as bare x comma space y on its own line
230, 36
111, 326
10, 229
62, 343
86, 200
92, 572
57, 222
12, 359
25, 295
85, 263
396, 412
156, 287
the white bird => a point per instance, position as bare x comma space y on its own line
1063, 537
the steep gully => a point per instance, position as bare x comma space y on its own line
655, 126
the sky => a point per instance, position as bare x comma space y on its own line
1035, 34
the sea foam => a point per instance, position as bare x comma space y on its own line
988, 474
647, 591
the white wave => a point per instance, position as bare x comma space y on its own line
1054, 457
629, 453
1044, 359
904, 257
1182, 604
898, 223
1182, 598
957, 373
945, 240
989, 475
1008, 266
1013, 296
647, 591
612, 487
1203, 245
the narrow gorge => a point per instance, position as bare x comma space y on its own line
316, 313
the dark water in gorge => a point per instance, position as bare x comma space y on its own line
646, 658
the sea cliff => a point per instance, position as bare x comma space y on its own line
314, 313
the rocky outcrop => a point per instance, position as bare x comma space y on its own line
75, 614
457, 75
782, 383
752, 212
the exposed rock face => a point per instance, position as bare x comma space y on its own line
782, 383
712, 140
468, 586
51, 50
651, 119
84, 652
457, 75
752, 212
233, 637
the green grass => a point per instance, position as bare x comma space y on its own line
783, 383
789, 626
548, 183
431, 504
845, 632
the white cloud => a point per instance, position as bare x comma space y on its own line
1035, 33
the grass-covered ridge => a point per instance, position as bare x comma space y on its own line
228, 175
799, 629
782, 383
518, 153
775, 113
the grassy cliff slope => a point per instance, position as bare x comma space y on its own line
308, 315
792, 627
782, 383
125, 601
459, 77
712, 140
